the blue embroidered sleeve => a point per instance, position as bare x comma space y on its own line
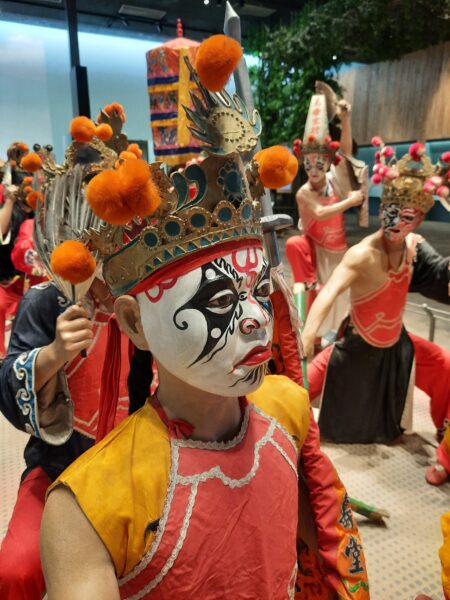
34, 327
25, 396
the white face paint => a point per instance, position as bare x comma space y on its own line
212, 327
316, 167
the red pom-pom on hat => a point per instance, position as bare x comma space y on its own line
376, 179
334, 146
376, 141
416, 151
443, 191
73, 262
387, 151
429, 186
277, 166
311, 138
31, 162
216, 59
82, 129
445, 157
392, 173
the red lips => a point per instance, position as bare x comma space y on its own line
256, 356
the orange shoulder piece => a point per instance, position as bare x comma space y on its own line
121, 483
287, 402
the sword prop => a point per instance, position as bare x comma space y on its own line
271, 223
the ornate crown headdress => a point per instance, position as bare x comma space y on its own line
316, 137
412, 180
139, 220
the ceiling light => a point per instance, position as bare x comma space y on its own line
334, 57
206, 2
139, 11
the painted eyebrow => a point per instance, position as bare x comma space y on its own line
223, 265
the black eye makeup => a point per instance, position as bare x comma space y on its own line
222, 302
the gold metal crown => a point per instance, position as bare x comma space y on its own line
212, 202
407, 188
208, 203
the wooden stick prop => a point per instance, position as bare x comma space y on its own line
371, 512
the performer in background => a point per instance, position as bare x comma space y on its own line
13, 212
50, 385
366, 379
201, 482
336, 182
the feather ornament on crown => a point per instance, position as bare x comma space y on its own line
63, 216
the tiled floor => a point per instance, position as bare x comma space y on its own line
402, 555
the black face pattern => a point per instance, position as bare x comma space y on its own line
398, 221
319, 164
222, 298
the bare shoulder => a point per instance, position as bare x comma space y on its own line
73, 556
361, 255
303, 191
305, 196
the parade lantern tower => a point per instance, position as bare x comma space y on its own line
169, 84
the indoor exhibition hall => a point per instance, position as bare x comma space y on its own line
225, 300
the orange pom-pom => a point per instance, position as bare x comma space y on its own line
27, 189
73, 262
137, 187
104, 196
119, 196
31, 162
32, 199
104, 132
23, 147
82, 129
277, 166
134, 148
125, 155
118, 108
216, 59
27, 180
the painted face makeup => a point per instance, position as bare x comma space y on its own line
398, 221
212, 327
316, 167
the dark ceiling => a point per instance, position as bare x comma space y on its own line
199, 19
